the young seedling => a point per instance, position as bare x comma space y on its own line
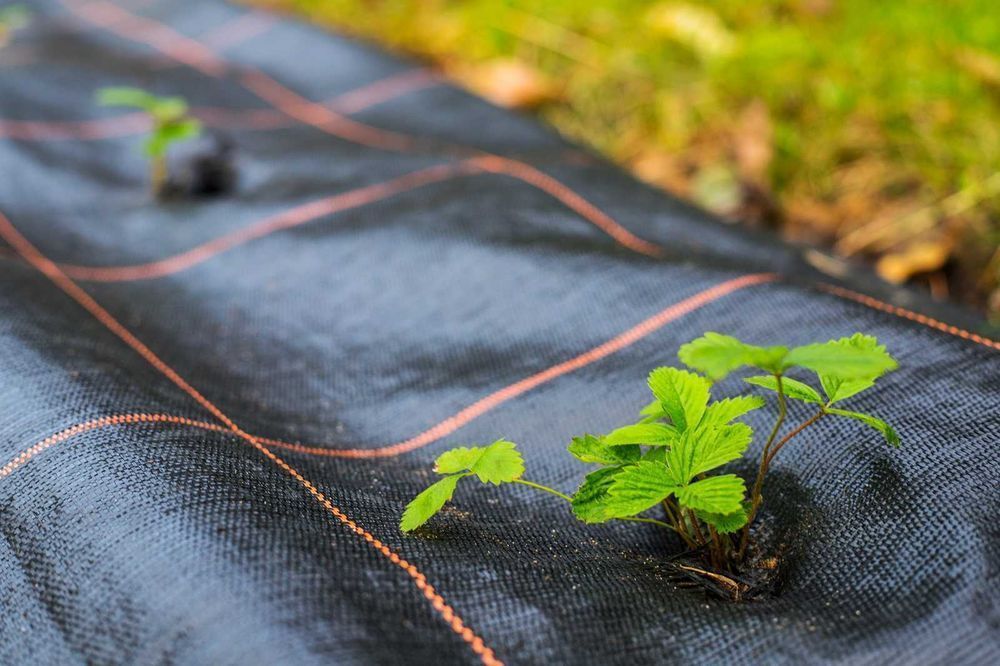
669, 459
170, 124
12, 17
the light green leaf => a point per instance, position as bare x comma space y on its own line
722, 412
888, 432
716, 494
842, 358
683, 395
460, 459
590, 502
717, 355
838, 388
162, 137
652, 412
656, 454
652, 434
429, 502
717, 446
500, 462
724, 523
792, 388
125, 96
590, 449
637, 488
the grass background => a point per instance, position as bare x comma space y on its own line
872, 128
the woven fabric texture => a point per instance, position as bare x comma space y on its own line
212, 411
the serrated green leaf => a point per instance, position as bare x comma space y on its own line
842, 359
656, 454
716, 494
792, 388
724, 523
838, 388
590, 502
500, 462
887, 431
459, 459
638, 487
683, 395
652, 412
590, 449
429, 502
717, 446
723, 411
717, 355
652, 434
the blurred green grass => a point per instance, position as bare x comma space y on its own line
872, 128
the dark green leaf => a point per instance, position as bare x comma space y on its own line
590, 502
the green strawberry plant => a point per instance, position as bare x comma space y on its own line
670, 459
171, 124
12, 17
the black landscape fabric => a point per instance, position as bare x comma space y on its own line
213, 410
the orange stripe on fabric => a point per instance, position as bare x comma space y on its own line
285, 220
321, 117
909, 314
31, 254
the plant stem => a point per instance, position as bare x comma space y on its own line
158, 173
789, 436
758, 484
765, 465
538, 486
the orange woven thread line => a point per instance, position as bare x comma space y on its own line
103, 128
169, 42
240, 29
93, 424
909, 314
288, 219
307, 213
384, 90
420, 581
493, 400
450, 424
247, 119
319, 116
50, 270
571, 199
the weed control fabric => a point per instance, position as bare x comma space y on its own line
213, 410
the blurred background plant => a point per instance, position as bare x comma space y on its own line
872, 128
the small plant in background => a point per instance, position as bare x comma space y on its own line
170, 124
12, 17
669, 459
